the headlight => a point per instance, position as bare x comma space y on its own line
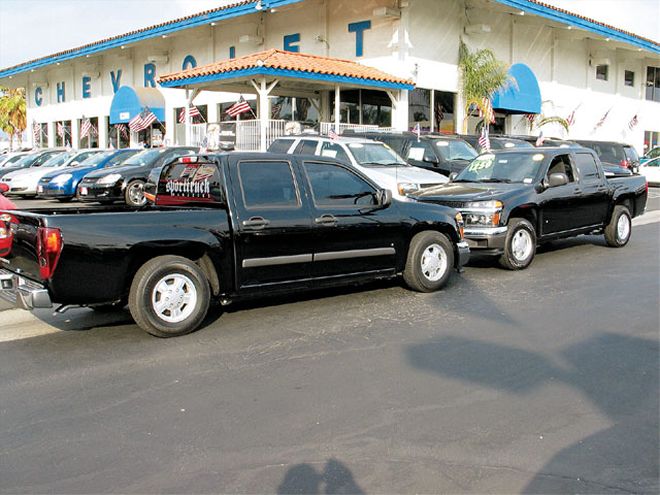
482, 213
407, 188
109, 179
62, 179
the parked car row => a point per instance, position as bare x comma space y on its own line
318, 213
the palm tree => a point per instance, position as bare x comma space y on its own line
13, 117
541, 120
481, 75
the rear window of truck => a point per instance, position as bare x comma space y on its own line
190, 182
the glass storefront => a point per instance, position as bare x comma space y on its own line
118, 135
364, 106
432, 110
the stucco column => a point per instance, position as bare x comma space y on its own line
400, 111
103, 131
50, 126
337, 116
264, 113
75, 133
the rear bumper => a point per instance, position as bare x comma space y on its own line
463, 249
25, 293
486, 240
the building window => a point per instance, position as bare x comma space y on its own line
91, 140
223, 107
196, 118
433, 110
119, 135
63, 133
602, 72
419, 108
364, 107
651, 140
653, 83
628, 78
41, 141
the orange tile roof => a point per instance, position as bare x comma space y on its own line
283, 60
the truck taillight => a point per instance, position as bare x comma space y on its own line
188, 159
49, 247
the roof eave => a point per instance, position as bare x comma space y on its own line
579, 22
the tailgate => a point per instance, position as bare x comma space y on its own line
22, 243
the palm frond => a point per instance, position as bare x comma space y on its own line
553, 120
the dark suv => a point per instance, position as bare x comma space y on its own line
613, 153
436, 152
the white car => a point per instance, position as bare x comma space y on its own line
24, 182
374, 159
10, 158
651, 170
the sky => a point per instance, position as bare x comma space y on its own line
34, 28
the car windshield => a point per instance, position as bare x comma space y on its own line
505, 167
375, 154
654, 153
144, 157
59, 159
80, 157
26, 161
12, 160
455, 150
95, 159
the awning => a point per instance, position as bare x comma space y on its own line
522, 97
128, 102
283, 65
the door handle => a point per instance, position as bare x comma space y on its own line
577, 190
325, 220
256, 222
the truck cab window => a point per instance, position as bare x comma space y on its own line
305, 147
268, 184
587, 167
562, 164
333, 185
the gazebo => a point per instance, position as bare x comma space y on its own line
281, 73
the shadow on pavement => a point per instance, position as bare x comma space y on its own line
335, 478
618, 374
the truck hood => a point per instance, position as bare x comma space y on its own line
415, 175
460, 192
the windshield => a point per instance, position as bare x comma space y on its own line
144, 157
58, 159
378, 154
455, 150
80, 157
11, 161
505, 167
95, 159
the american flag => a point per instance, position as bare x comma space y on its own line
602, 120
85, 128
142, 120
488, 113
531, 117
540, 140
122, 129
633, 122
36, 132
570, 120
241, 106
484, 141
60, 130
194, 112
332, 134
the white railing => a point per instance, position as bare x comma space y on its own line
327, 126
248, 133
197, 134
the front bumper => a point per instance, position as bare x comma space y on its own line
100, 192
49, 191
486, 239
25, 293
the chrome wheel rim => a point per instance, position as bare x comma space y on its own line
434, 262
174, 298
136, 193
521, 245
623, 228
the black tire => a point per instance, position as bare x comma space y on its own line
144, 296
423, 245
519, 245
617, 235
134, 193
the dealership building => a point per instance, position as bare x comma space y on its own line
338, 64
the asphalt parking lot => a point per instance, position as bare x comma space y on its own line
541, 381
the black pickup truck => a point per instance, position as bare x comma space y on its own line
229, 226
512, 200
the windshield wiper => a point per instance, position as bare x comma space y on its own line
495, 179
381, 164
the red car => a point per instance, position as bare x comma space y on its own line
5, 231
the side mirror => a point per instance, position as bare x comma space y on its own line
452, 176
74, 163
430, 159
557, 179
384, 198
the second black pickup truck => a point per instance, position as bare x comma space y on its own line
229, 226
512, 200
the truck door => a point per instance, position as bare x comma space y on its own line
272, 224
353, 235
595, 196
560, 206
